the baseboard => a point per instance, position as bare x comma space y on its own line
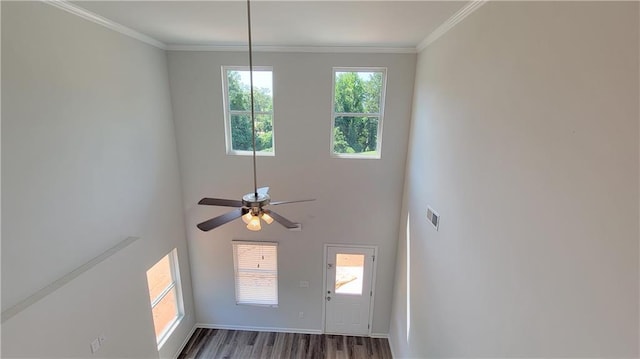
393, 353
259, 329
186, 340
380, 335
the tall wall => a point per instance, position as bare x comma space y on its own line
88, 159
525, 139
358, 201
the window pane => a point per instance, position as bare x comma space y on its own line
358, 92
355, 135
241, 133
165, 312
239, 90
349, 273
159, 277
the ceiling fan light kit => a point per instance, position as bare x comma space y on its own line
252, 206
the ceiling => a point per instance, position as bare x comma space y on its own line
388, 24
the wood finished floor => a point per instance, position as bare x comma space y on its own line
220, 343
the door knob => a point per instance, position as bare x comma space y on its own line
328, 298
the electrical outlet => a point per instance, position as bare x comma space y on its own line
301, 315
304, 284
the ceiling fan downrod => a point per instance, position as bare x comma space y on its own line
253, 117
252, 206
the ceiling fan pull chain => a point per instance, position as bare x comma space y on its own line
253, 117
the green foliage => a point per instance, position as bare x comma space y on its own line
340, 144
357, 93
240, 100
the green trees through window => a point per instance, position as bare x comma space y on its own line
358, 99
238, 111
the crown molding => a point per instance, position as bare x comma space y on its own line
88, 15
317, 49
460, 15
467, 10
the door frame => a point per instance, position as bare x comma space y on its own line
324, 281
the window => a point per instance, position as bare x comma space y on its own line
237, 109
358, 107
165, 295
256, 272
349, 273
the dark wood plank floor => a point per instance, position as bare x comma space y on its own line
220, 343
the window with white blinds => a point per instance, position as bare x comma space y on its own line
256, 272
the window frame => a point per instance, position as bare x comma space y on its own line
228, 112
175, 284
380, 114
234, 244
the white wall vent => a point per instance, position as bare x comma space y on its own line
433, 217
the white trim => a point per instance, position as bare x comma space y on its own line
57, 284
184, 342
177, 285
393, 352
112, 25
228, 113
380, 114
259, 329
318, 49
466, 10
102, 21
169, 331
380, 335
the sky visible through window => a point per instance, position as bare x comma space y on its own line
364, 76
261, 79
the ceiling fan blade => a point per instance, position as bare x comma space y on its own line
283, 221
220, 220
263, 190
285, 202
220, 202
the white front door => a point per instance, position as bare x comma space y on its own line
348, 289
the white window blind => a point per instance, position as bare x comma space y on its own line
256, 272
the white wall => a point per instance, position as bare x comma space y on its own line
88, 159
525, 139
358, 201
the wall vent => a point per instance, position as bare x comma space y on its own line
433, 217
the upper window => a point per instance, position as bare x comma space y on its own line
165, 295
237, 109
256, 272
358, 108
